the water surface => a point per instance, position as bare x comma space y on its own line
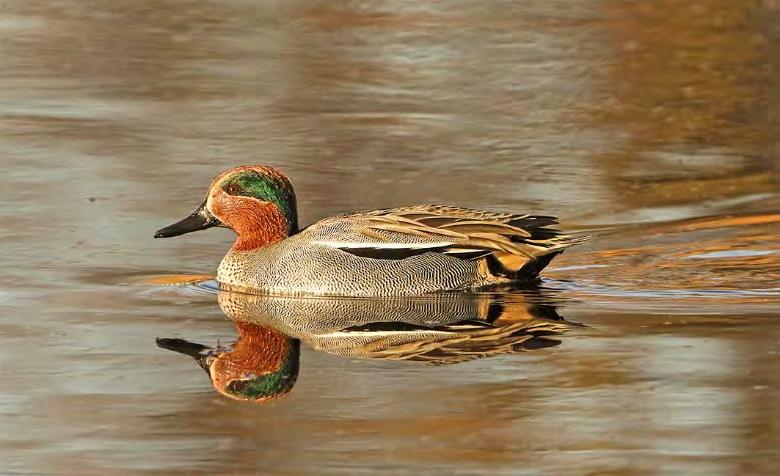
645, 121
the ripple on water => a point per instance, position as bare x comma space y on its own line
712, 262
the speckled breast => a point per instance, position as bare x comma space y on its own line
294, 266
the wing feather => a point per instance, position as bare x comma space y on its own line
461, 232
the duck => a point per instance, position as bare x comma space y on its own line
409, 250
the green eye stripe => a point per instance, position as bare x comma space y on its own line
267, 189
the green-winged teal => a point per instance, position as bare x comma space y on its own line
410, 250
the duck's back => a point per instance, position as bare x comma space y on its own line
402, 251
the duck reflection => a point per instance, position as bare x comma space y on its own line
263, 362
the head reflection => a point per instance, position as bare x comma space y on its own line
263, 362
259, 365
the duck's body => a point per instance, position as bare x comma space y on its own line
402, 251
297, 266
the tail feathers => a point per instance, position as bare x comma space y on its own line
533, 222
540, 253
533, 267
553, 241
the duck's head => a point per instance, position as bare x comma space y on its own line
261, 365
255, 201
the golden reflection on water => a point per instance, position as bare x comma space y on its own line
645, 120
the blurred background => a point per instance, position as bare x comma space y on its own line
651, 117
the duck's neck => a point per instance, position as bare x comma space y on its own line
261, 227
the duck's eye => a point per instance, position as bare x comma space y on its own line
233, 189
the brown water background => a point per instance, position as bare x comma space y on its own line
649, 117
